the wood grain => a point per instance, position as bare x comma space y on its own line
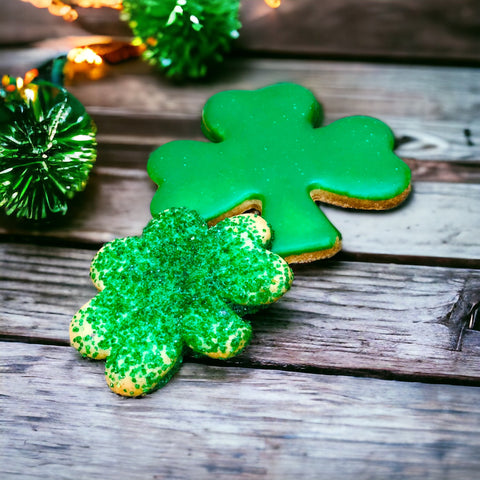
60, 421
362, 318
431, 216
345, 88
136, 111
366, 368
416, 139
116, 203
429, 30
432, 110
22, 23
410, 92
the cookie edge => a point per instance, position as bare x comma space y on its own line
338, 200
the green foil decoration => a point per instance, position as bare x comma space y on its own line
184, 38
47, 149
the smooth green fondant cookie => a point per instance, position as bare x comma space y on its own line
180, 284
268, 154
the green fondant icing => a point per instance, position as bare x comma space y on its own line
267, 147
178, 284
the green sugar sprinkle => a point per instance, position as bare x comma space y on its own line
180, 284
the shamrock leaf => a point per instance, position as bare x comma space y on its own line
178, 284
268, 155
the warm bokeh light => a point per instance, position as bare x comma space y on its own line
273, 3
31, 75
97, 3
66, 8
19, 87
84, 54
83, 63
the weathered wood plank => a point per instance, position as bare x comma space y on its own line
432, 110
22, 23
453, 172
40, 288
457, 157
389, 29
364, 317
420, 140
59, 421
439, 222
345, 88
376, 319
405, 29
405, 91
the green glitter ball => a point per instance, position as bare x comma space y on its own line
184, 37
47, 149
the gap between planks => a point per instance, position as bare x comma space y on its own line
247, 363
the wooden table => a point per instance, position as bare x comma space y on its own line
368, 368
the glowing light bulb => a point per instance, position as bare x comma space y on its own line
84, 55
66, 9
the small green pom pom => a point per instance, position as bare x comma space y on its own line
47, 149
183, 38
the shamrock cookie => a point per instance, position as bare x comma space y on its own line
178, 284
268, 155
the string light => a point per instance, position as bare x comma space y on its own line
83, 62
66, 8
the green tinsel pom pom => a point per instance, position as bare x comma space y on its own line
47, 149
184, 37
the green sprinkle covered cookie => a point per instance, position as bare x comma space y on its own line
180, 284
